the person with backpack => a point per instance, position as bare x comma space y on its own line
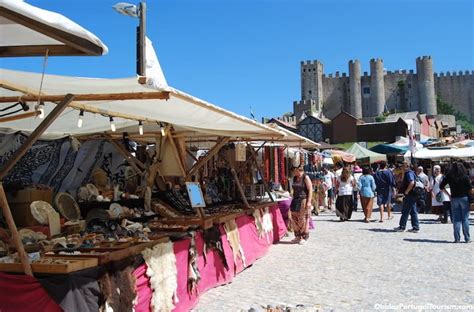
409, 201
460, 185
384, 182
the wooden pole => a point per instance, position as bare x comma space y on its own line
19, 116
16, 238
135, 163
89, 97
34, 136
239, 186
213, 151
176, 154
254, 156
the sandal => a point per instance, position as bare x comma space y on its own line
381, 221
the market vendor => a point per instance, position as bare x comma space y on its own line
300, 209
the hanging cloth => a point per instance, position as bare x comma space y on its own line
275, 165
266, 159
281, 165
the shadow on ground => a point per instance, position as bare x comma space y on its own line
424, 240
380, 230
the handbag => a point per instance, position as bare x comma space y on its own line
439, 197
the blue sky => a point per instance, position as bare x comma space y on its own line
238, 54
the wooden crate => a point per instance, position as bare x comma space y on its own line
20, 201
72, 265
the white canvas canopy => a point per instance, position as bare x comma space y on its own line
293, 139
26, 30
427, 153
190, 116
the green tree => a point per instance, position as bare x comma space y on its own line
446, 108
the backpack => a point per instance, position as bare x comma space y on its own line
419, 188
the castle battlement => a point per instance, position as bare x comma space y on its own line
423, 58
458, 74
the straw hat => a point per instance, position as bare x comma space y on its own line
40, 210
67, 206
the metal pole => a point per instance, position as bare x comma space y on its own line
141, 41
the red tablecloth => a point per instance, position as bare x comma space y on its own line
20, 293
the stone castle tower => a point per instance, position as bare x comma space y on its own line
368, 96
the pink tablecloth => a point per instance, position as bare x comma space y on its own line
213, 273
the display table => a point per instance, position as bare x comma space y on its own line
284, 206
213, 273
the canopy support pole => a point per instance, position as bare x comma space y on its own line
11, 162
213, 151
135, 163
254, 156
176, 153
239, 186
16, 238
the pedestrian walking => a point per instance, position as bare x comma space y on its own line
300, 208
357, 173
384, 181
440, 201
409, 201
422, 197
366, 189
460, 185
345, 186
328, 185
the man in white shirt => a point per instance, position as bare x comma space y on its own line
329, 186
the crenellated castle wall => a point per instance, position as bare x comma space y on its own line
402, 90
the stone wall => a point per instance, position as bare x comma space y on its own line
454, 88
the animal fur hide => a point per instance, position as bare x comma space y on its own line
118, 285
212, 239
233, 237
161, 262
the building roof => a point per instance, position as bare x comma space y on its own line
322, 120
447, 120
282, 123
405, 116
350, 115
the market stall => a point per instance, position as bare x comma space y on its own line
135, 211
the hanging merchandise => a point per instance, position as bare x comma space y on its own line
281, 165
275, 165
266, 159
233, 237
193, 271
296, 158
272, 164
240, 152
161, 262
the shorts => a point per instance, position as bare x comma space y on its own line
384, 197
331, 193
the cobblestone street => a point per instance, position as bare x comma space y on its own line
355, 265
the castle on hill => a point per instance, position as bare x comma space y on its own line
367, 96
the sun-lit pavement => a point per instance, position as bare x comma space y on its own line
353, 266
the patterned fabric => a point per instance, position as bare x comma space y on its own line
58, 164
300, 222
